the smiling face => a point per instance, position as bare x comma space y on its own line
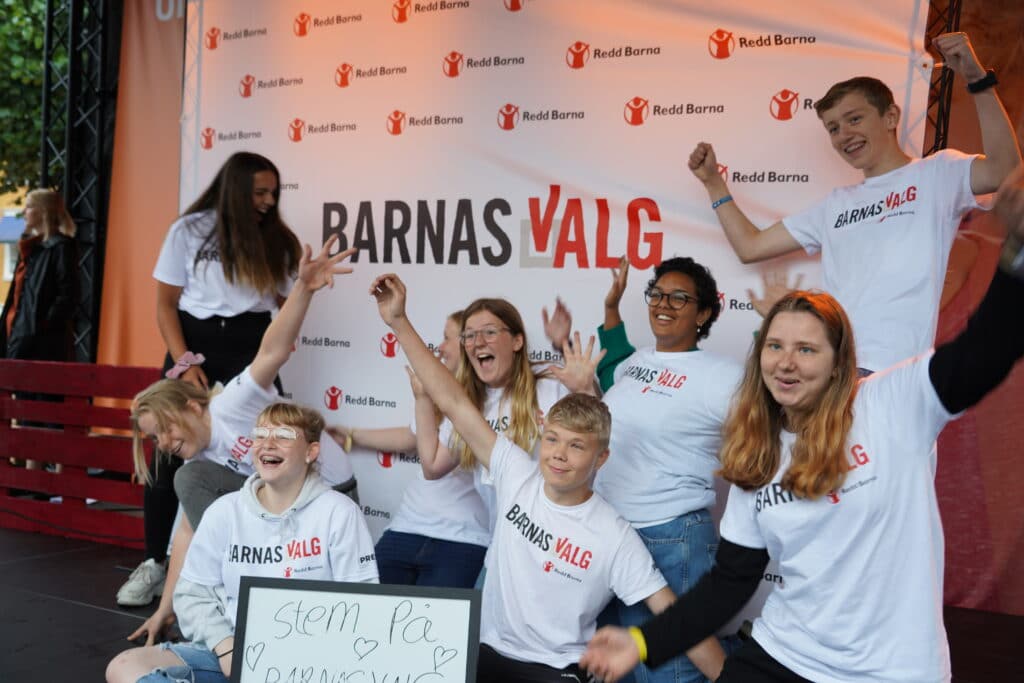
184, 434
264, 185
281, 454
448, 349
491, 359
863, 137
568, 462
797, 362
675, 329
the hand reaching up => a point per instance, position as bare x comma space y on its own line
776, 286
620, 275
577, 374
558, 326
703, 162
389, 291
317, 273
959, 56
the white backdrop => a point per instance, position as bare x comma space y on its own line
431, 134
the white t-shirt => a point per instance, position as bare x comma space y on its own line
233, 414
552, 568
205, 292
860, 597
884, 246
667, 414
448, 508
498, 414
326, 540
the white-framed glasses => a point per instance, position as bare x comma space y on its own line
488, 333
278, 433
676, 300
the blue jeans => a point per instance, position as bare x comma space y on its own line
416, 560
199, 665
684, 550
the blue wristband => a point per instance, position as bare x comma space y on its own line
718, 202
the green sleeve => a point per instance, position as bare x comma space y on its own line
619, 349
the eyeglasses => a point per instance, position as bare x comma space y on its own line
279, 433
676, 300
488, 333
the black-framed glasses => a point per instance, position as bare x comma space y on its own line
488, 333
676, 300
279, 433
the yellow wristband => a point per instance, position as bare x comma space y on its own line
641, 643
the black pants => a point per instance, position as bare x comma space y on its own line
229, 345
492, 667
751, 664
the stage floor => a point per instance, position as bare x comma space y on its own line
59, 621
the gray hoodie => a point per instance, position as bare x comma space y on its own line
202, 610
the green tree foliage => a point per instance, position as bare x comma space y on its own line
21, 91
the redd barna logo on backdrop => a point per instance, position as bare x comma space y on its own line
723, 44
578, 54
335, 398
215, 37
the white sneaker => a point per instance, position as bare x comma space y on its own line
144, 584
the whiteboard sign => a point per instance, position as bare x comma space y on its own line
295, 631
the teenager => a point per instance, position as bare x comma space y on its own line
494, 369
834, 479
440, 532
668, 404
559, 551
224, 267
211, 432
284, 501
884, 243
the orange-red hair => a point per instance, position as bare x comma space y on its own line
751, 443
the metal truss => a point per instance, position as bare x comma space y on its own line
943, 17
82, 49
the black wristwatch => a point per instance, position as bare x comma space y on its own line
987, 81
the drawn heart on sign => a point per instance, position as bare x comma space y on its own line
253, 654
364, 646
443, 656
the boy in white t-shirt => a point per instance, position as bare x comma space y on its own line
884, 242
559, 552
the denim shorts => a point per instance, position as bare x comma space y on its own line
199, 665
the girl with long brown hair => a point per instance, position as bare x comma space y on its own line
495, 371
439, 533
224, 267
833, 477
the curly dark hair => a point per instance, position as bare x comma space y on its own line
707, 288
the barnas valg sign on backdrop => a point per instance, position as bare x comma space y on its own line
516, 148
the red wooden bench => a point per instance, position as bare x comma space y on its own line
116, 516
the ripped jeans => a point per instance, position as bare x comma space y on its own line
199, 665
